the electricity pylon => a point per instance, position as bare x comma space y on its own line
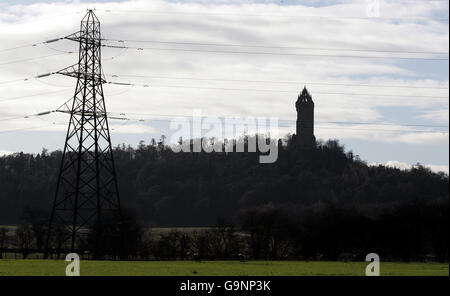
87, 194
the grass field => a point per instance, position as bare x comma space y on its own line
216, 268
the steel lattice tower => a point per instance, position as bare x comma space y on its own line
87, 192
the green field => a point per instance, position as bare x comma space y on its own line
217, 268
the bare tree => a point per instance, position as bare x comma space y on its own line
24, 239
184, 244
223, 241
37, 220
3, 240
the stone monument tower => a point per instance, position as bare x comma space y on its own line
305, 120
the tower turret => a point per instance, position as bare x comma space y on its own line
305, 120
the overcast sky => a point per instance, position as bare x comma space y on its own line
329, 46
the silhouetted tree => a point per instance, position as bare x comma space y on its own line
3, 240
24, 239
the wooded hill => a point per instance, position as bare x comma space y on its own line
164, 188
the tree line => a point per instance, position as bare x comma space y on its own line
416, 232
322, 203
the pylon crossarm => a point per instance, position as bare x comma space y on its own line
81, 37
86, 113
72, 71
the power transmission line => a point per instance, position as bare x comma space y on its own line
12, 118
293, 124
244, 80
28, 115
35, 58
229, 89
28, 128
31, 45
279, 125
228, 45
274, 90
274, 47
272, 81
12, 81
32, 95
274, 53
27, 78
286, 122
289, 120
282, 122
19, 47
